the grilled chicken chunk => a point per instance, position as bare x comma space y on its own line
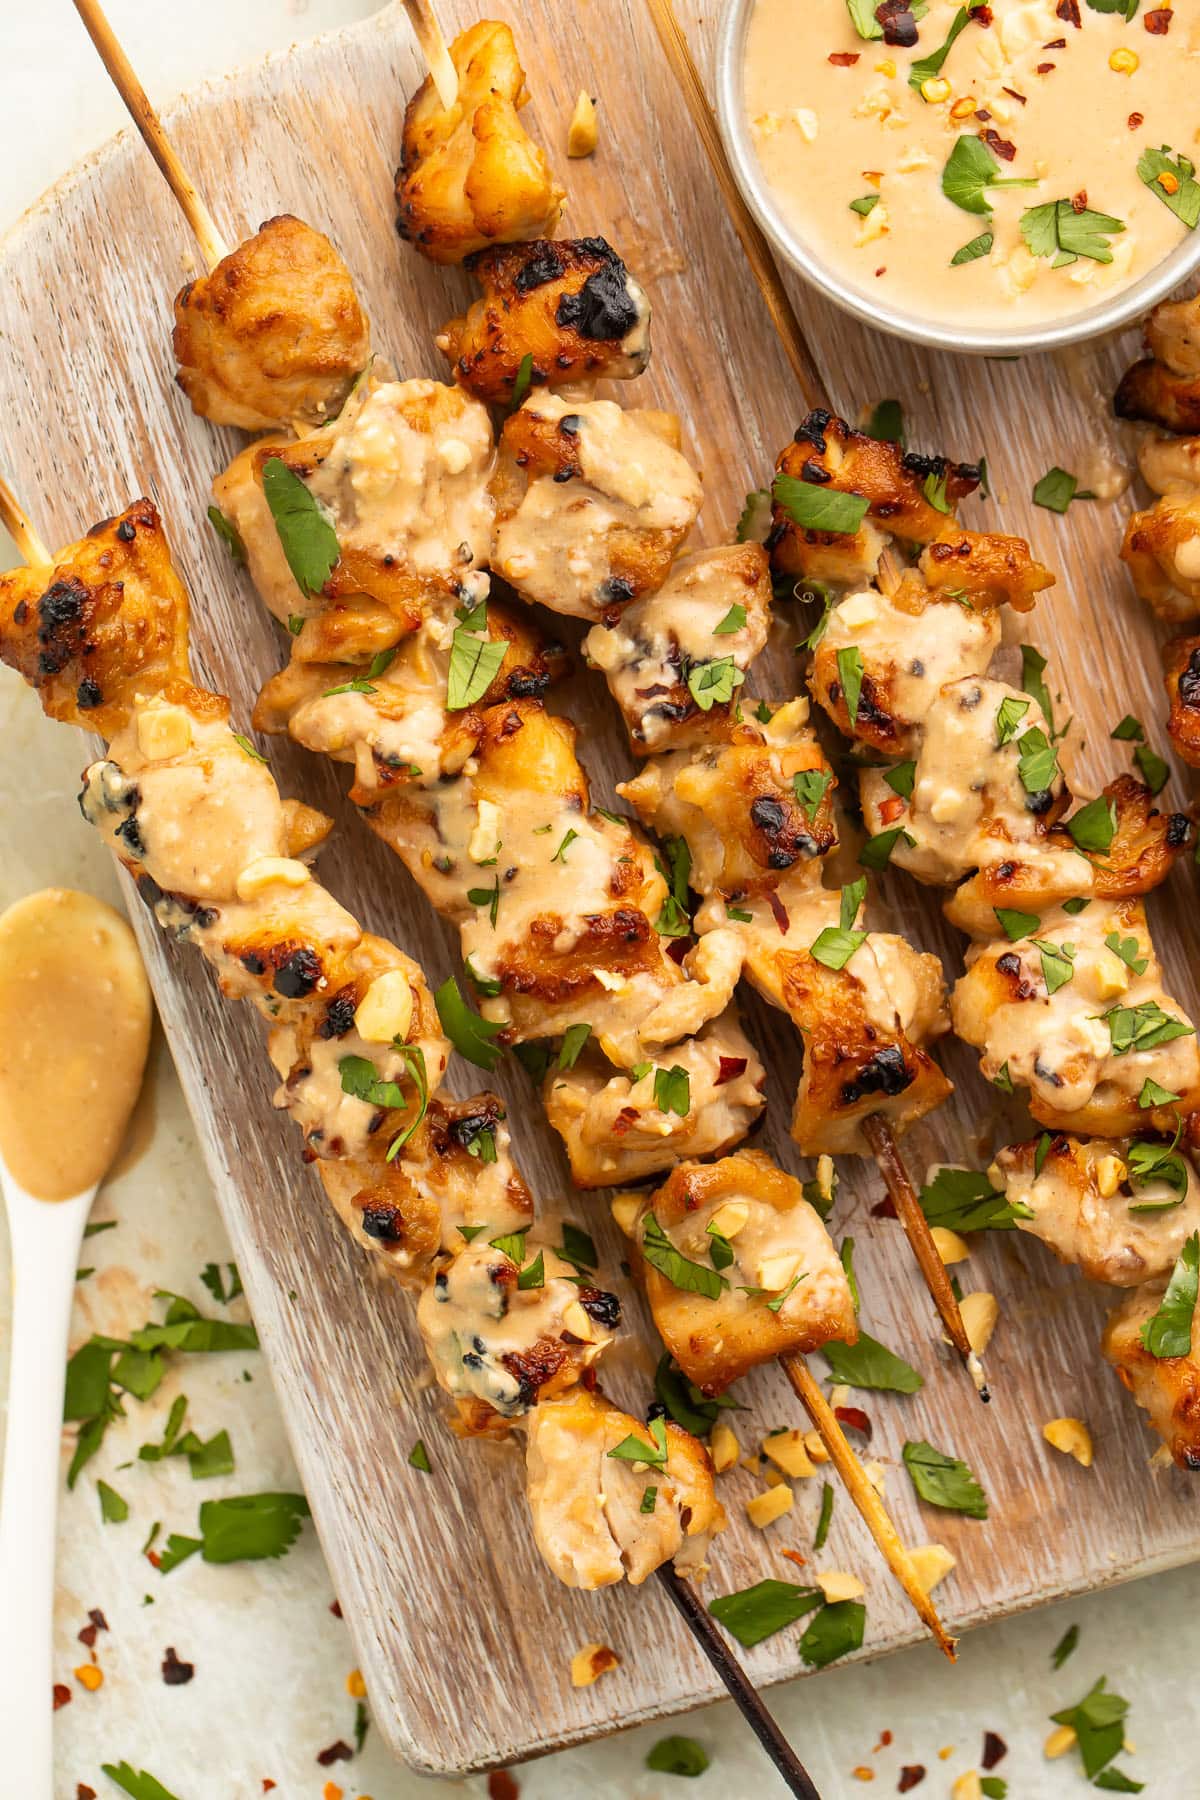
567, 311
275, 335
402, 479
1167, 1388
1162, 549
471, 176
1150, 390
779, 1283
1077, 1014
1120, 1209
591, 504
1182, 676
676, 660
591, 1520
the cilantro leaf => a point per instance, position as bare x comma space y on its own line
228, 533
637, 1450
673, 1091
876, 853
470, 1035
1056, 490
1152, 769
1094, 826
522, 381
734, 620
836, 1631
944, 1480
677, 1756
1066, 1646
674, 1266
815, 508
1169, 1332
850, 674
138, 1786
113, 1510
927, 66
307, 539
574, 1038
970, 171
1098, 1722
886, 423
824, 1517
675, 919
973, 250
834, 946
755, 1613
1056, 230
1174, 183
870, 1364
901, 779
1016, 925
810, 787
713, 683
965, 1200
251, 1527
475, 660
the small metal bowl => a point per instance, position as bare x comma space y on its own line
979, 340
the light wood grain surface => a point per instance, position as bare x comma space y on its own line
464, 1639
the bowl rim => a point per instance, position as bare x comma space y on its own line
981, 340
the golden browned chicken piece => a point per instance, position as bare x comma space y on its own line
275, 335
401, 485
908, 496
565, 311
1061, 1014
1165, 387
1169, 465
110, 622
591, 504
1167, 1388
1162, 550
676, 660
599, 1517
1120, 1209
1182, 675
763, 1277
471, 176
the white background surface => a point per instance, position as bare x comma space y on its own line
271, 1663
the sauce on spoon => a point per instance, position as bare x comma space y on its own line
75, 1015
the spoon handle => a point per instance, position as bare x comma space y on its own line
45, 1238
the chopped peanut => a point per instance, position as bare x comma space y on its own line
839, 1584
1123, 62
163, 731
89, 1676
582, 132
967, 1787
729, 1219
331, 1791
588, 1664
625, 1208
723, 1447
962, 109
578, 1323
271, 871
932, 1562
950, 1247
979, 1315
1110, 1173
1059, 1742
765, 1508
1072, 1437
788, 1451
814, 1443
356, 1687
385, 1010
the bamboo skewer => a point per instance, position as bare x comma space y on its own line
429, 36
15, 521
212, 246
876, 1129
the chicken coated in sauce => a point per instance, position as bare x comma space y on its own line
471, 175
565, 311
274, 335
591, 1519
1168, 1388
1181, 660
1164, 388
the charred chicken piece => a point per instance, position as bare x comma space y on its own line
1121, 1217
1168, 1388
676, 660
1162, 550
274, 335
471, 176
590, 1517
782, 1288
402, 478
897, 485
591, 504
1081, 1027
1182, 659
569, 306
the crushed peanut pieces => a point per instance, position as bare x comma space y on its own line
588, 1664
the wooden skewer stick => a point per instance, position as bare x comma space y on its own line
212, 246
870, 1506
762, 262
428, 34
15, 521
682, 1594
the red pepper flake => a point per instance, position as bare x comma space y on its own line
899, 23
994, 1750
268, 1784
983, 115
891, 809
625, 1120
174, 1672
88, 1636
98, 1619
1046, 68
84, 1792
881, 271
1004, 148
335, 1608
339, 1752
794, 1556
1135, 121
779, 911
885, 1739
502, 1786
729, 1068
843, 59
1068, 12
678, 948
62, 1695
1013, 95
1158, 22
152, 1556
911, 1776
855, 1418
1079, 201
980, 15
1055, 44
885, 1209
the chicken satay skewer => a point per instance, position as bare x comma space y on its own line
142, 660
431, 38
766, 273
212, 246
15, 521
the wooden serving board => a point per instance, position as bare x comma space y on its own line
463, 1637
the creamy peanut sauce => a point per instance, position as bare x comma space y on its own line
1062, 115
1084, 1207
556, 547
75, 1016
472, 1317
1059, 1045
773, 1249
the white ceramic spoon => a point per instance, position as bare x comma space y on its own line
74, 1028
